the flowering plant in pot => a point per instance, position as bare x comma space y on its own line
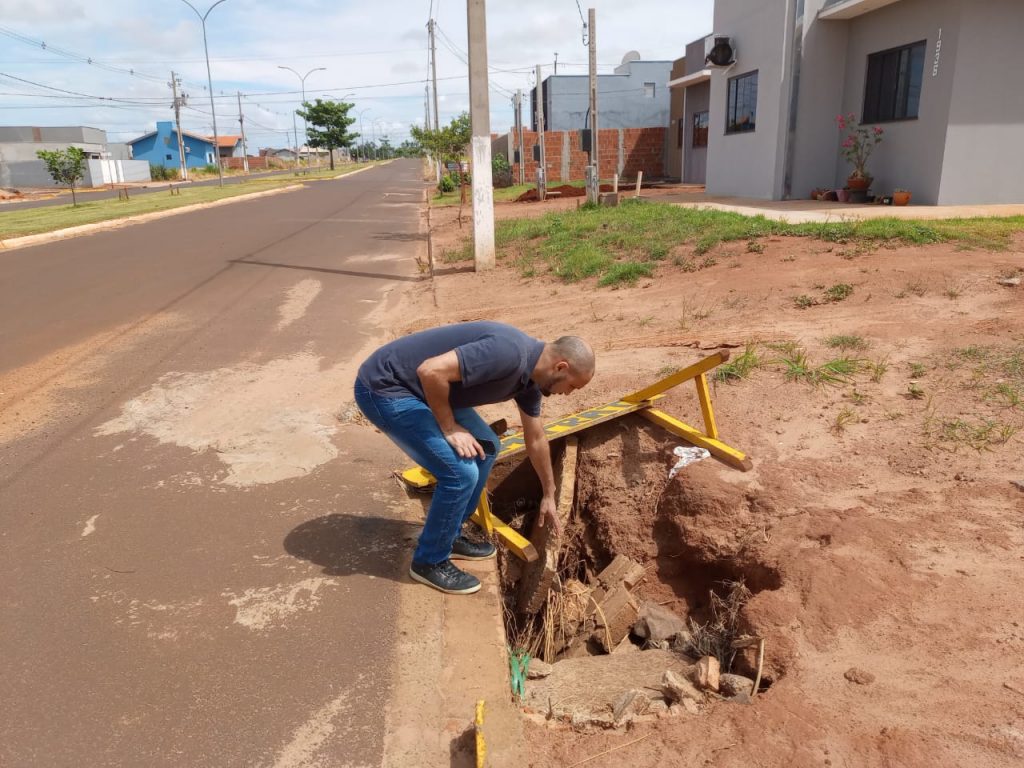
857, 145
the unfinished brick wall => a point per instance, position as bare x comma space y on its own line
626, 151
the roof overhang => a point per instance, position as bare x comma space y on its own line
694, 78
850, 9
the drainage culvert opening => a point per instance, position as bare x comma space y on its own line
642, 607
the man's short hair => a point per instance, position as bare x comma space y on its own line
577, 353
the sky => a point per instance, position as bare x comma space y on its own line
107, 63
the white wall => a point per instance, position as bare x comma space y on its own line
746, 164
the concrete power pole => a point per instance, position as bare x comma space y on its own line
480, 120
594, 182
433, 70
241, 124
519, 133
542, 168
295, 133
179, 102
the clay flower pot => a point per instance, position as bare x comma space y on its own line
843, 195
858, 183
900, 197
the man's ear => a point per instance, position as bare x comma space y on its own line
561, 365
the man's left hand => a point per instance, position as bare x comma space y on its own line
549, 514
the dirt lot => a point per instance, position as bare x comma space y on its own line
882, 527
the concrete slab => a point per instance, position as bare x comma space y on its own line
804, 211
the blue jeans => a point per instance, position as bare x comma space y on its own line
411, 425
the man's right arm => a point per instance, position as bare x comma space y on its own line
436, 374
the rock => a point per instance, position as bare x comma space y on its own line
537, 670
1018, 484
859, 676
658, 707
657, 624
691, 706
617, 616
678, 688
1009, 282
682, 642
741, 698
732, 685
630, 704
707, 673
626, 646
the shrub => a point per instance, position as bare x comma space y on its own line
162, 172
447, 184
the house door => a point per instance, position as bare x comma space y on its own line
696, 166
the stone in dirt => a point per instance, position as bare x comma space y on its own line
707, 673
615, 619
537, 670
732, 685
1009, 282
859, 676
678, 688
657, 623
630, 704
585, 691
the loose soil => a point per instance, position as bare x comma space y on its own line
881, 529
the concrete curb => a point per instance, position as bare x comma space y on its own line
103, 226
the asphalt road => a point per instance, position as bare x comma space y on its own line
194, 566
87, 195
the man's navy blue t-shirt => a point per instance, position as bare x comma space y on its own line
496, 361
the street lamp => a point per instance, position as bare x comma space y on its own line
375, 121
362, 134
302, 81
209, 82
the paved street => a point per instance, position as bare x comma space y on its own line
194, 565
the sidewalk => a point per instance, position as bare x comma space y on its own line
802, 211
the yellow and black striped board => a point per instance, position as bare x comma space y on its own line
417, 477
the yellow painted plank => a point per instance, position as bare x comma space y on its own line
510, 537
677, 378
420, 479
481, 745
726, 453
704, 396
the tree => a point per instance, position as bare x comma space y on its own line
328, 125
385, 148
409, 148
65, 166
446, 144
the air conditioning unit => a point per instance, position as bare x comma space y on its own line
722, 53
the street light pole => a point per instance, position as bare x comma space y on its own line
302, 81
362, 135
209, 82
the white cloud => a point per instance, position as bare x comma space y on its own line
360, 45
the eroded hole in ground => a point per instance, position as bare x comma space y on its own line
646, 606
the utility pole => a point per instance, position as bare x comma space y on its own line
433, 69
519, 135
179, 102
426, 107
542, 170
556, 62
295, 133
241, 124
594, 182
480, 120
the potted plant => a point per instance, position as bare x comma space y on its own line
900, 196
843, 195
857, 146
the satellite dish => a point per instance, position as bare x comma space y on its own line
631, 56
722, 54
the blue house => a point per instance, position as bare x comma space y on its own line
160, 147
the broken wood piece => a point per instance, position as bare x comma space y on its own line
622, 570
616, 616
540, 575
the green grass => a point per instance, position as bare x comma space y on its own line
741, 367
32, 221
846, 342
646, 231
626, 272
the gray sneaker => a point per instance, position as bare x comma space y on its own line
465, 549
445, 577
